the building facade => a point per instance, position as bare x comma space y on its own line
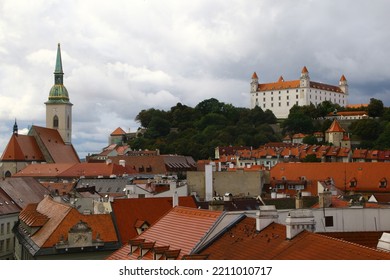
280, 96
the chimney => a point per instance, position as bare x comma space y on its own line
108, 161
299, 200
209, 182
298, 221
325, 198
175, 199
122, 162
265, 216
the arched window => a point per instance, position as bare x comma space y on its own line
7, 174
55, 121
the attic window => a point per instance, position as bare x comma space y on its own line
383, 183
353, 183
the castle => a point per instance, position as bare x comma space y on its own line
280, 96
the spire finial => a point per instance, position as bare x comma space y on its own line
15, 130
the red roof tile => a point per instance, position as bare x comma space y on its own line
129, 211
118, 132
181, 229
60, 218
52, 141
22, 148
335, 127
367, 174
243, 242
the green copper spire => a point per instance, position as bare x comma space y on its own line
58, 73
58, 92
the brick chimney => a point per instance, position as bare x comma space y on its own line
298, 221
265, 216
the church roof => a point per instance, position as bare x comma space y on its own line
53, 144
22, 148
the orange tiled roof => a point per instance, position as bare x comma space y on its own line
181, 229
128, 211
243, 242
22, 148
43, 170
279, 85
304, 70
55, 146
342, 79
335, 127
367, 175
254, 75
60, 218
118, 132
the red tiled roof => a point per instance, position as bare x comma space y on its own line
60, 218
22, 148
128, 211
55, 146
335, 127
43, 170
93, 170
243, 242
254, 75
118, 132
279, 85
304, 70
367, 174
181, 229
342, 79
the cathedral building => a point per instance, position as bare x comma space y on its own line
50, 144
281, 95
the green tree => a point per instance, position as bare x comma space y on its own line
367, 129
383, 141
375, 108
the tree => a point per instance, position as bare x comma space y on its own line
298, 122
211, 105
367, 129
375, 108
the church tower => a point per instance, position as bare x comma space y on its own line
58, 106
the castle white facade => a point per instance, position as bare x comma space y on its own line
280, 96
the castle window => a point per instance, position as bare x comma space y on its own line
288, 97
296, 96
280, 104
264, 99
279, 98
272, 99
287, 91
288, 103
272, 104
55, 121
296, 90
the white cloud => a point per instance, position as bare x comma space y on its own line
122, 56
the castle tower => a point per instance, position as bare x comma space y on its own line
305, 78
254, 83
343, 84
58, 106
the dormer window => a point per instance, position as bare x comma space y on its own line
353, 183
383, 183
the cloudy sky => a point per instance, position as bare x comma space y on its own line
122, 56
